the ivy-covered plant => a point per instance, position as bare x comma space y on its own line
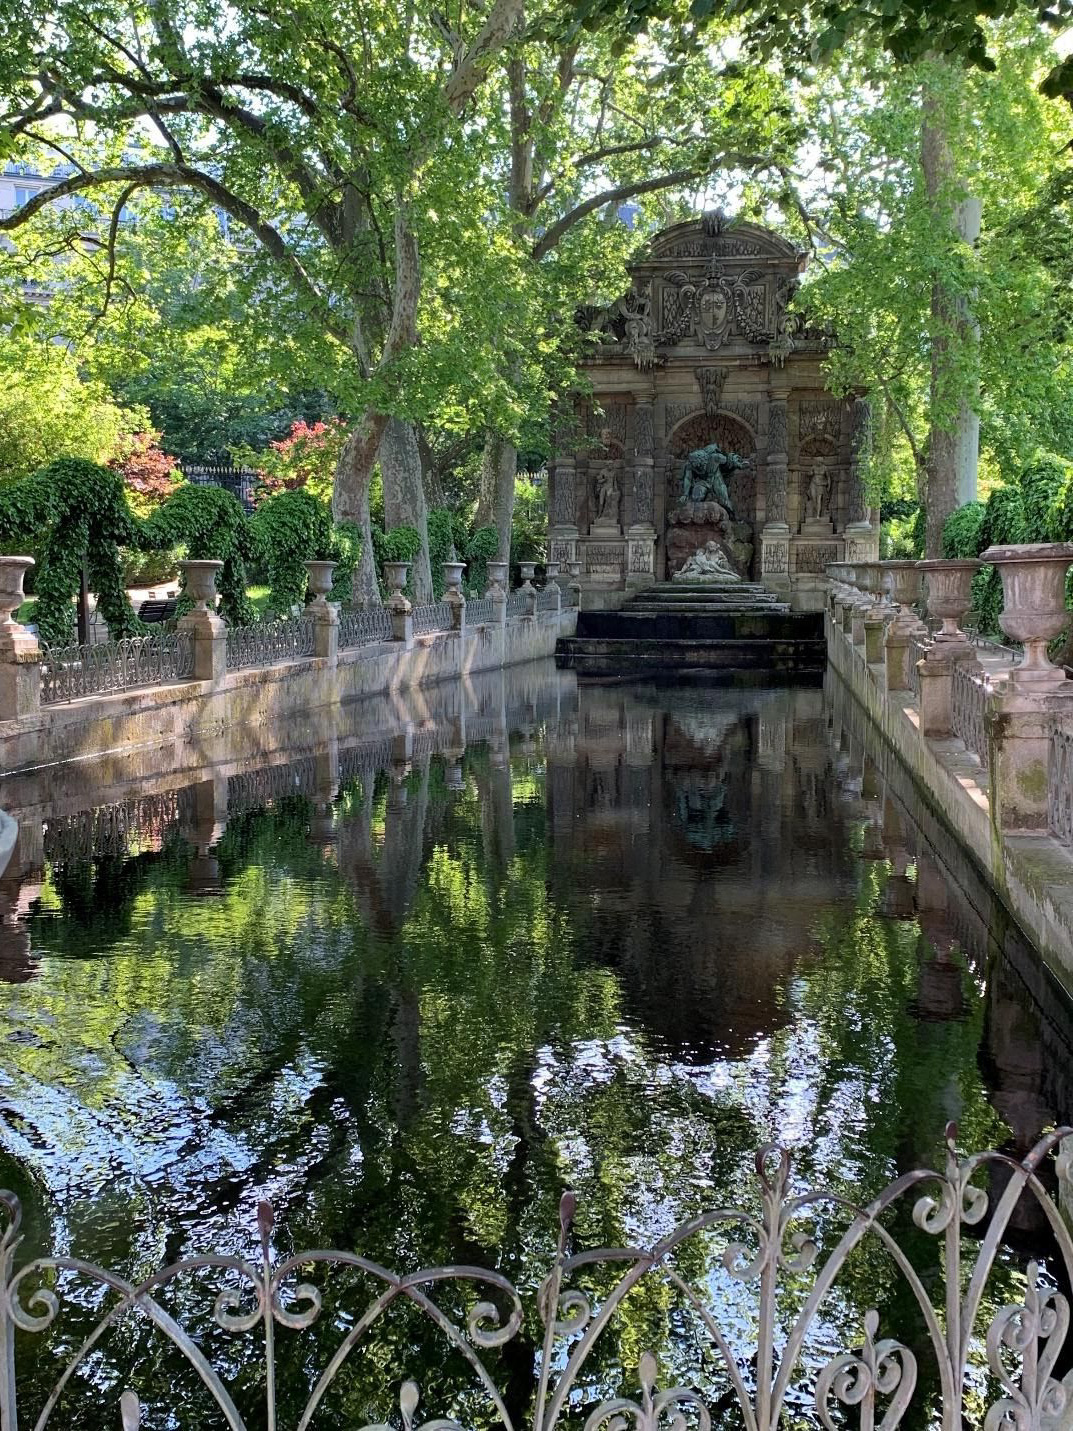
961, 531
210, 523
483, 547
291, 528
69, 513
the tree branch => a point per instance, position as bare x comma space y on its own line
551, 237
183, 176
469, 70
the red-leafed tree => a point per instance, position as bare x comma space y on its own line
149, 473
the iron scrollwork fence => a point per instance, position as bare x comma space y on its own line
917, 651
268, 642
364, 625
70, 672
1060, 785
751, 1293
969, 697
433, 616
480, 611
548, 599
517, 603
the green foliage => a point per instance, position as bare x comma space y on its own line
1042, 483
401, 544
1004, 522
346, 552
290, 529
69, 513
446, 534
211, 524
48, 410
483, 547
961, 531
529, 528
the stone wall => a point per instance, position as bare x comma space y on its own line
1031, 873
202, 709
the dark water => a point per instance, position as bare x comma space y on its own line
411, 983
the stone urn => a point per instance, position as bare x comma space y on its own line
949, 595
551, 570
497, 577
902, 583
200, 579
13, 571
528, 571
395, 575
452, 577
574, 568
320, 575
1033, 604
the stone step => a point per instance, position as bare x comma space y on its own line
614, 657
697, 609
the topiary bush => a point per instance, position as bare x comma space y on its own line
69, 512
961, 531
210, 523
482, 547
291, 528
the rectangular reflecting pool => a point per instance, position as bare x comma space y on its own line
416, 976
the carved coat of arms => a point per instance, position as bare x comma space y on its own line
710, 307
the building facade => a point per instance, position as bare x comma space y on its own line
702, 360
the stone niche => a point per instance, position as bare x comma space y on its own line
703, 351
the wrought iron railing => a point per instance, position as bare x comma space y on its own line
548, 599
765, 1303
1060, 785
434, 616
70, 672
517, 603
364, 626
480, 611
250, 789
970, 693
267, 642
917, 651
116, 829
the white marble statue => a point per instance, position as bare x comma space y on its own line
708, 563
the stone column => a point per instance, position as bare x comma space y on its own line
775, 536
402, 619
452, 593
641, 534
208, 632
20, 654
562, 497
862, 538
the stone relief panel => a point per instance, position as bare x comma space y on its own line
813, 558
604, 558
777, 440
643, 438
564, 500
819, 421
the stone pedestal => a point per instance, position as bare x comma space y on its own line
325, 617
209, 635
20, 654
1021, 723
862, 542
937, 686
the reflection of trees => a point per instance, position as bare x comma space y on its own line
418, 1027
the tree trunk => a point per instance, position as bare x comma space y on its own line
950, 416
350, 500
404, 496
495, 507
430, 472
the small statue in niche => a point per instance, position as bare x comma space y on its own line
607, 494
705, 472
818, 496
708, 563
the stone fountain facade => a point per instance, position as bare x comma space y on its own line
703, 350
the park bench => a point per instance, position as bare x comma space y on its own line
157, 609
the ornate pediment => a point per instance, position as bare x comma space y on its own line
709, 284
716, 236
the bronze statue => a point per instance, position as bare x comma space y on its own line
705, 473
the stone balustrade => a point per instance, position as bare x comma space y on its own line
1014, 715
985, 730
203, 653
